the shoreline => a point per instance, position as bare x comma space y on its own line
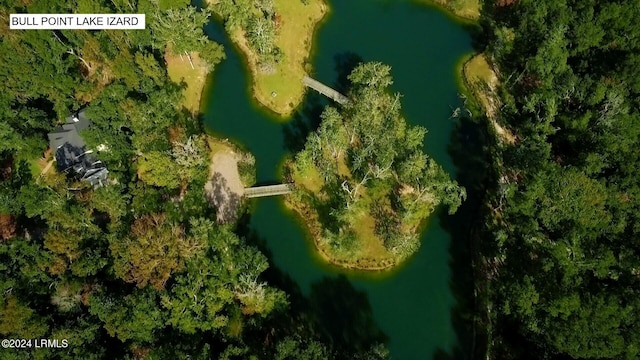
461, 16
482, 89
312, 227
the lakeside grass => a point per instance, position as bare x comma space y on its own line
179, 70
482, 82
478, 69
465, 9
297, 24
372, 256
371, 248
217, 145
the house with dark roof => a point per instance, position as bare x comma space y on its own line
71, 153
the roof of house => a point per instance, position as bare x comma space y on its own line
71, 153
69, 132
96, 176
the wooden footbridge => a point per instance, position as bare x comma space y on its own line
269, 190
325, 90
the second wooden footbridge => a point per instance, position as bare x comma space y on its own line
268, 190
325, 90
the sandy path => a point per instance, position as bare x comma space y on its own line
46, 168
224, 188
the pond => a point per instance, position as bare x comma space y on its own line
413, 305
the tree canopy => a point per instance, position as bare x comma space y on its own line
563, 231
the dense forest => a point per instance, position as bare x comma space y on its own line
364, 178
561, 247
136, 268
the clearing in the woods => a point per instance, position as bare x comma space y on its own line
466, 9
192, 73
483, 82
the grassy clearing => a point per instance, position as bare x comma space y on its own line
180, 70
39, 167
282, 90
466, 9
478, 69
311, 180
371, 253
370, 246
483, 83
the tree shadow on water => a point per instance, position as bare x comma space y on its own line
345, 63
468, 149
343, 315
303, 122
273, 275
334, 312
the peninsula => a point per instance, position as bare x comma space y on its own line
275, 36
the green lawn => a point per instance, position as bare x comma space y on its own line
478, 69
179, 70
467, 9
483, 83
371, 253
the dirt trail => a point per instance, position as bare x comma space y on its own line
224, 188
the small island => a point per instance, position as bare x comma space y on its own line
363, 182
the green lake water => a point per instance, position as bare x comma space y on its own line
413, 305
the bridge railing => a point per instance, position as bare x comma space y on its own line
325, 90
268, 190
